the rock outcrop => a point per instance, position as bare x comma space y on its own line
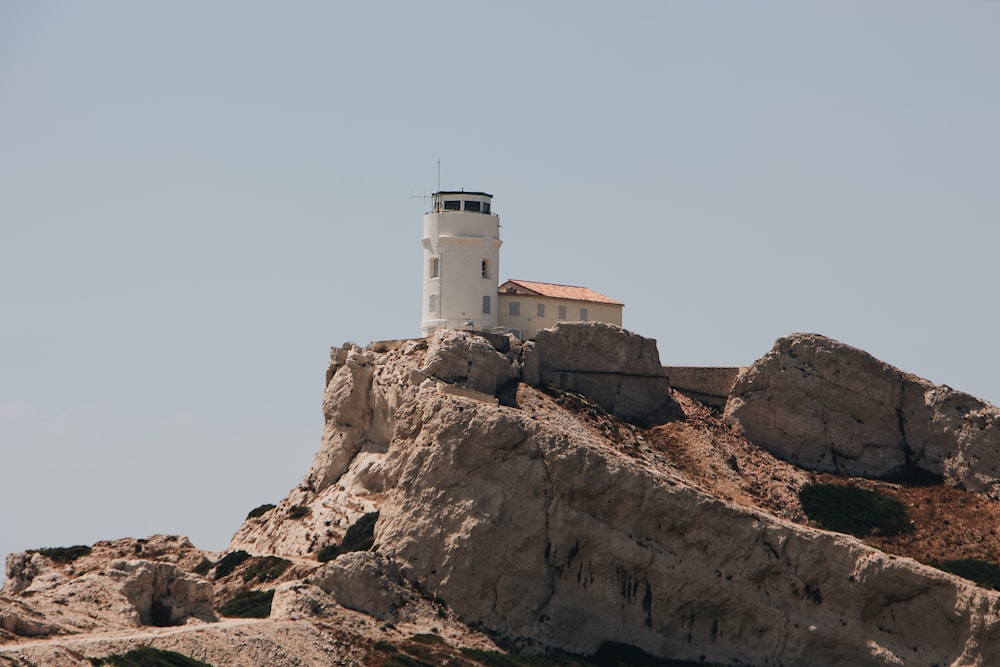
830, 407
619, 370
114, 589
511, 512
534, 526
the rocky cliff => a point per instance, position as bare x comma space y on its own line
554, 496
827, 406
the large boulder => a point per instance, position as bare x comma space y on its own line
365, 582
618, 369
830, 407
468, 359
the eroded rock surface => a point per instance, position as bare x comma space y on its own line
830, 407
542, 522
533, 526
111, 588
619, 370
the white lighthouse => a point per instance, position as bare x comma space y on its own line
461, 262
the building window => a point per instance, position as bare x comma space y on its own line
514, 308
562, 312
433, 305
472, 206
486, 305
435, 270
583, 314
486, 268
486, 207
452, 205
540, 310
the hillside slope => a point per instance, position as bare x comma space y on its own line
515, 515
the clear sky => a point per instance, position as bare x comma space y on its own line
198, 199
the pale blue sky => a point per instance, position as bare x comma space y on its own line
198, 199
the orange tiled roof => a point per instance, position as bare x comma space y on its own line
570, 292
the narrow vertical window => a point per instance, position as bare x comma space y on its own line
562, 312
433, 305
435, 267
486, 305
583, 314
514, 308
540, 310
486, 268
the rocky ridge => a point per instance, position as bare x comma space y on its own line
513, 512
827, 406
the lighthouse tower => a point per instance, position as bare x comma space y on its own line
461, 262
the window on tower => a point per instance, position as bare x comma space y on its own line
433, 305
486, 207
486, 305
472, 206
486, 268
452, 205
435, 270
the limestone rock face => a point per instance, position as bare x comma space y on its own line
21, 568
364, 582
619, 370
830, 407
531, 525
470, 360
163, 594
95, 592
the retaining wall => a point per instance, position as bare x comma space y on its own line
707, 384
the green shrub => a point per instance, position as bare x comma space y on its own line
981, 572
403, 660
859, 512
204, 567
385, 647
298, 512
147, 657
249, 604
420, 651
63, 555
260, 510
229, 562
610, 654
266, 568
427, 638
360, 536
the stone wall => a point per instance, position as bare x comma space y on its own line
708, 384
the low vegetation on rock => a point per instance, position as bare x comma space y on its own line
203, 567
265, 568
260, 510
63, 555
858, 512
249, 604
230, 562
298, 512
148, 657
610, 654
984, 573
360, 536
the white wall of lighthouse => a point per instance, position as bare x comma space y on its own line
461, 269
